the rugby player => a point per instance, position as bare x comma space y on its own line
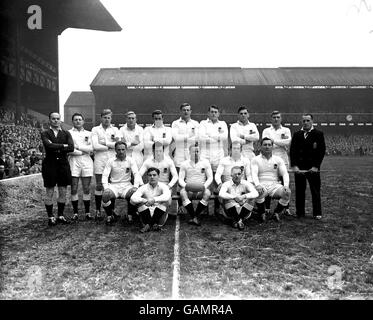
133, 136
152, 200
55, 167
266, 170
281, 137
104, 138
156, 133
237, 195
244, 132
195, 170
81, 164
120, 169
213, 136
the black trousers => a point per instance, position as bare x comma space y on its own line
314, 181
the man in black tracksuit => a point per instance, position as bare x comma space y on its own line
55, 167
307, 151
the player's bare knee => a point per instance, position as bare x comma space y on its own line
206, 194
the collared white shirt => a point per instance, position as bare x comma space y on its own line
223, 172
109, 136
306, 133
213, 138
268, 171
135, 135
120, 172
191, 172
229, 190
160, 193
280, 143
250, 133
165, 166
154, 134
185, 134
82, 140
55, 131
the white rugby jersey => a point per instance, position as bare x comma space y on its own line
191, 172
213, 138
109, 136
267, 171
152, 134
120, 172
82, 140
166, 167
280, 143
134, 151
160, 193
251, 134
223, 172
184, 134
229, 190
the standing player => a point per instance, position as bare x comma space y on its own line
81, 164
104, 138
133, 136
120, 169
55, 167
152, 200
281, 137
156, 133
213, 136
195, 170
307, 152
185, 133
266, 170
237, 195
245, 132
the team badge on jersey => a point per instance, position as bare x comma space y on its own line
203, 170
127, 170
112, 137
275, 166
165, 170
242, 168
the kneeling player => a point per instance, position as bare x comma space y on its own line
266, 170
195, 171
152, 200
237, 195
119, 169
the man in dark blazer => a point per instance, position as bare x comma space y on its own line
55, 167
307, 151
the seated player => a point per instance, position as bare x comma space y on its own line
152, 200
195, 171
119, 169
237, 195
266, 170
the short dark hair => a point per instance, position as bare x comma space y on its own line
50, 113
307, 114
274, 112
157, 112
214, 107
118, 143
77, 114
153, 169
237, 168
242, 108
264, 139
185, 104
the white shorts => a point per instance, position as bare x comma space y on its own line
101, 158
120, 189
270, 190
81, 166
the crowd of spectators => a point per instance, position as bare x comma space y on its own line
353, 145
21, 150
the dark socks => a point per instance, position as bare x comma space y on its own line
61, 208
49, 208
98, 200
75, 206
86, 205
199, 209
190, 210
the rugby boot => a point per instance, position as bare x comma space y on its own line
240, 225
62, 220
52, 221
146, 228
110, 220
99, 216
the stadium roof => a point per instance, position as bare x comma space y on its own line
80, 98
232, 76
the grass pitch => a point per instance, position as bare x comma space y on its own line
293, 259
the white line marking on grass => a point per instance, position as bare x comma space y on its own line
20, 177
176, 263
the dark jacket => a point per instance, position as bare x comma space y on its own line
54, 149
309, 152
